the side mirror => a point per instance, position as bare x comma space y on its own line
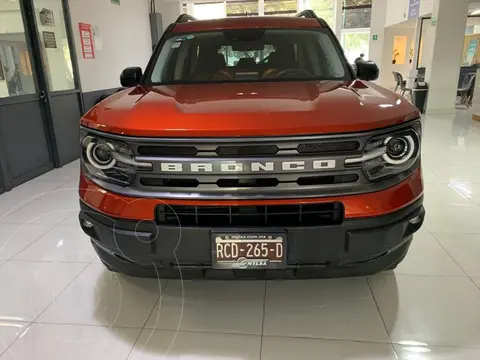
131, 76
367, 70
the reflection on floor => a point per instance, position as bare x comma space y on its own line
58, 302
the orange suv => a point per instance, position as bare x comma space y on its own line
250, 148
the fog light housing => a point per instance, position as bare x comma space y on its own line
87, 224
416, 220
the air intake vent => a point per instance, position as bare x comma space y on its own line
327, 180
326, 148
252, 150
239, 183
322, 214
166, 182
152, 150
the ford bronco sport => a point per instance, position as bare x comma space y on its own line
250, 148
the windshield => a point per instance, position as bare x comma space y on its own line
248, 55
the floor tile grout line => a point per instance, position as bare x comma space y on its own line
37, 196
61, 292
454, 260
420, 275
88, 325
33, 242
49, 261
370, 342
27, 326
378, 309
263, 319
162, 289
252, 335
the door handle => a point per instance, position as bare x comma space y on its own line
42, 95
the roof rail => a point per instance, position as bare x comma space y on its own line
310, 14
185, 18
307, 14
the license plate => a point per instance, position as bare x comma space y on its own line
249, 251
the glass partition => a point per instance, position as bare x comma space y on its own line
16, 76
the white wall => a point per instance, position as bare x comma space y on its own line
170, 10
126, 38
397, 10
386, 67
446, 56
11, 22
426, 7
377, 28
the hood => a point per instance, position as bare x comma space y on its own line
250, 109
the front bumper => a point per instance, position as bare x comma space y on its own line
355, 247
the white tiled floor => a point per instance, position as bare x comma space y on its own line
58, 302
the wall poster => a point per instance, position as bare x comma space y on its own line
86, 38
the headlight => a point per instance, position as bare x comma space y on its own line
390, 154
399, 149
101, 155
110, 160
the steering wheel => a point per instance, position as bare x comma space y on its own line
290, 72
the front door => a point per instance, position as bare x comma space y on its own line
25, 150
62, 88
40, 101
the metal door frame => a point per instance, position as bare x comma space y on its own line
43, 93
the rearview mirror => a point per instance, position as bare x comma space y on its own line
367, 70
131, 76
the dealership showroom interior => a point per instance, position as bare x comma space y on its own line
239, 179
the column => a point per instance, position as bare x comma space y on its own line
449, 20
417, 39
377, 31
190, 8
261, 7
338, 18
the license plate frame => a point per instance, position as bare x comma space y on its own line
245, 261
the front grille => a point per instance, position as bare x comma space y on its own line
247, 182
321, 214
326, 148
249, 167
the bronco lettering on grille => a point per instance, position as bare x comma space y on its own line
240, 167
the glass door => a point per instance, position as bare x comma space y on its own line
55, 44
25, 149
40, 95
